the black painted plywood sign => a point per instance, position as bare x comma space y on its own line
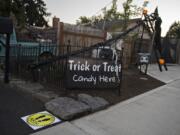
92, 73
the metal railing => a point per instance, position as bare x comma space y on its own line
53, 73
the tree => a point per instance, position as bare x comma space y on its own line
30, 12
83, 20
174, 30
112, 13
12, 8
129, 10
5, 7
35, 12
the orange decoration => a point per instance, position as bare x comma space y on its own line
145, 11
161, 61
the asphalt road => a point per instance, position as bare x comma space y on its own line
13, 106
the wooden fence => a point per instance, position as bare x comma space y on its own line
79, 35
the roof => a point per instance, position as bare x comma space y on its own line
32, 33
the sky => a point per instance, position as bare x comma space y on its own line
70, 10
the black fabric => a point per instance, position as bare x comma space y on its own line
158, 34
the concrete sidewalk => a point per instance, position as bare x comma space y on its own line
171, 75
154, 113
